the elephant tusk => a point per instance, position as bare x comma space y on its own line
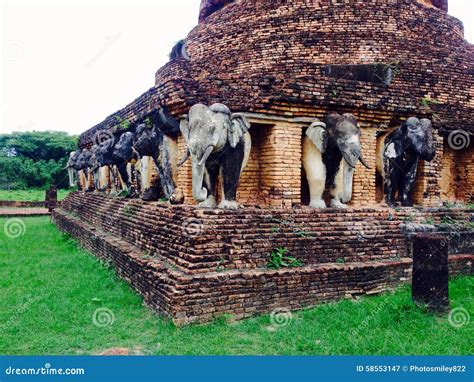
362, 160
184, 158
206, 155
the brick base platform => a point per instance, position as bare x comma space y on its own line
23, 212
194, 265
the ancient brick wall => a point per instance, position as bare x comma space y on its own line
364, 188
465, 169
279, 49
427, 189
277, 65
20, 204
449, 174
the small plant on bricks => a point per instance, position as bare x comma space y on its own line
280, 259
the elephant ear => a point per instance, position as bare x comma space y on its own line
318, 135
426, 124
184, 126
238, 127
351, 118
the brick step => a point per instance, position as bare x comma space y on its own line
199, 240
192, 297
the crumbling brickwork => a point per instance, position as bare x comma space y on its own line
277, 65
193, 265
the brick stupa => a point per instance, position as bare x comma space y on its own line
287, 62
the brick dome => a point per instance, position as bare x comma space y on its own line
380, 59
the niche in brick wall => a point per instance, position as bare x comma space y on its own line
249, 188
252, 183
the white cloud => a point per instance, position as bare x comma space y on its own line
67, 65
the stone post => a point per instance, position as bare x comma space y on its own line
430, 272
51, 198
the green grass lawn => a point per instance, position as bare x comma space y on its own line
31, 195
50, 289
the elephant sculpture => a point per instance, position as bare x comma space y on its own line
82, 167
218, 144
156, 139
103, 164
124, 157
398, 155
331, 151
71, 168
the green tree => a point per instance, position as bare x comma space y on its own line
35, 159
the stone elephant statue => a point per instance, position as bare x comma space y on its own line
82, 167
71, 168
398, 155
331, 151
218, 143
157, 139
124, 157
105, 176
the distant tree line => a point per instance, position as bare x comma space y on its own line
35, 159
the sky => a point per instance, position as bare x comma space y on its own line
68, 65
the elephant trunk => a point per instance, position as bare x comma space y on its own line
184, 158
70, 172
199, 192
351, 151
206, 155
348, 176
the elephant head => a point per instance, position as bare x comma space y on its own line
83, 164
343, 135
343, 152
104, 152
123, 150
418, 136
207, 131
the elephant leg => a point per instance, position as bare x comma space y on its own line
124, 176
315, 174
391, 181
78, 180
407, 183
87, 180
210, 184
138, 175
164, 163
113, 180
231, 169
338, 188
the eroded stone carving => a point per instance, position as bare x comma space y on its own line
218, 143
331, 151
